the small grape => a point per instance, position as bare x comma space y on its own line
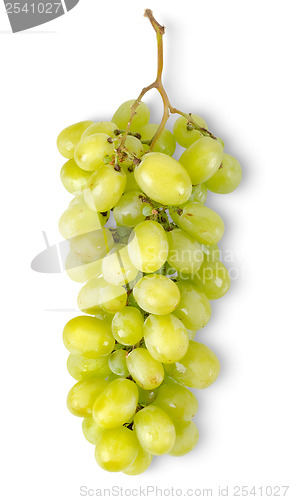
176, 400
106, 127
134, 149
141, 463
185, 133
123, 114
156, 294
194, 308
148, 246
70, 137
127, 326
118, 364
88, 337
165, 143
186, 438
155, 430
146, 397
74, 179
91, 430
104, 189
78, 219
199, 193
165, 337
116, 404
117, 267
80, 367
83, 394
202, 159
145, 370
97, 295
116, 449
129, 209
79, 271
185, 253
90, 152
213, 279
227, 177
92, 246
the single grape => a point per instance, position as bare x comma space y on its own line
88, 337
201, 222
92, 246
80, 367
146, 397
80, 272
145, 370
78, 219
186, 438
211, 252
106, 127
148, 246
163, 179
127, 326
155, 430
117, 267
97, 294
156, 294
91, 151
129, 209
199, 368
74, 179
123, 114
194, 308
165, 337
131, 184
176, 400
91, 430
104, 189
185, 133
116, 449
185, 253
213, 279
134, 149
83, 394
141, 463
116, 404
165, 143
227, 177
199, 193
118, 364
70, 137
202, 159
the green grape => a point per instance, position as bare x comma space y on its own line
185, 133
131, 184
123, 115
74, 179
146, 397
191, 334
201, 222
227, 177
91, 151
145, 370
156, 294
107, 128
134, 148
141, 463
81, 397
155, 430
78, 219
92, 246
202, 159
199, 193
91, 430
117, 267
118, 364
88, 337
213, 279
163, 179
116, 404
129, 209
165, 337
116, 449
186, 438
70, 137
81, 368
211, 252
199, 368
165, 144
176, 400
185, 254
105, 188
97, 294
127, 326
194, 308
148, 246
80, 272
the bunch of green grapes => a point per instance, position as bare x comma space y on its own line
148, 278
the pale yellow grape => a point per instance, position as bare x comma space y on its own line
163, 179
118, 364
211, 252
194, 308
91, 430
73, 178
81, 397
146, 397
199, 368
145, 370
93, 245
201, 222
134, 148
105, 127
213, 279
165, 143
165, 337
199, 193
70, 137
127, 326
176, 400
186, 438
116, 449
91, 151
156, 294
116, 404
227, 177
131, 184
97, 294
80, 272
117, 267
80, 367
79, 198
78, 219
155, 430
88, 337
185, 253
129, 209
104, 189
148, 246
123, 114
142, 462
185, 133
202, 159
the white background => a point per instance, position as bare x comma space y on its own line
229, 62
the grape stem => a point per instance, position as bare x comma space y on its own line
158, 85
